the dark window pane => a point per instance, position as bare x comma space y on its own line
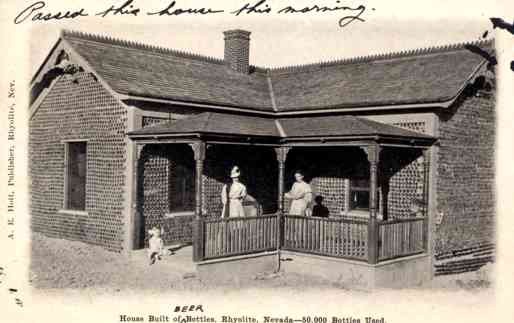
182, 190
359, 193
360, 200
77, 171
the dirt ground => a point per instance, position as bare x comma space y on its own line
63, 264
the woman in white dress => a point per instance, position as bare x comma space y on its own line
232, 196
300, 194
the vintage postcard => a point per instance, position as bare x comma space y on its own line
256, 161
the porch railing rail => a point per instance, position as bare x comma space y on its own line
401, 237
223, 237
336, 237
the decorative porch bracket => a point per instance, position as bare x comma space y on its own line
198, 234
373, 153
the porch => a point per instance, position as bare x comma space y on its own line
373, 177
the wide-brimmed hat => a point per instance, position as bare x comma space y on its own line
235, 172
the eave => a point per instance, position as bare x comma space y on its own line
304, 112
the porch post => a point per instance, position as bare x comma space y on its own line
198, 234
281, 158
373, 152
135, 221
426, 171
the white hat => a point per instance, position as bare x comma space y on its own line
235, 172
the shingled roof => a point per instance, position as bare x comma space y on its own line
209, 123
148, 71
343, 126
426, 76
215, 123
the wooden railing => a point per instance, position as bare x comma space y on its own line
401, 237
327, 236
333, 237
239, 236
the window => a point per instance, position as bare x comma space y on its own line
359, 194
76, 172
182, 190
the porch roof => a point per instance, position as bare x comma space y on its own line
343, 126
346, 127
214, 123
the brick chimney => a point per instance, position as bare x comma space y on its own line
237, 50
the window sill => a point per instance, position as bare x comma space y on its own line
73, 212
179, 214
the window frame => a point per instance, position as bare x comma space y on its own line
66, 196
360, 188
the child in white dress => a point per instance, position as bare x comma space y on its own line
156, 245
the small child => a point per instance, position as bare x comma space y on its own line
156, 245
319, 210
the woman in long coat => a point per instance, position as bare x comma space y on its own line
300, 194
233, 194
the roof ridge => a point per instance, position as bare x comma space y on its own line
271, 92
141, 46
279, 128
382, 56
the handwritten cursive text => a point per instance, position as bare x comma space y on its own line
170, 10
344, 21
125, 9
34, 12
259, 7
